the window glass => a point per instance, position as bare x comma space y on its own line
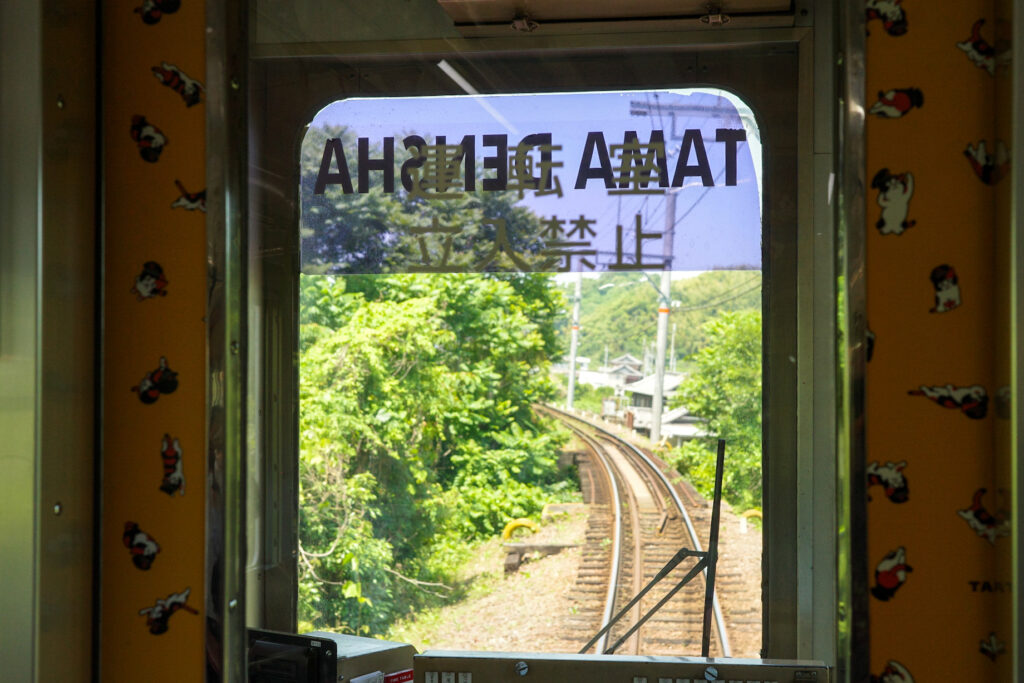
611, 181
480, 272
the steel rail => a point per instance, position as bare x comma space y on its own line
613, 580
723, 638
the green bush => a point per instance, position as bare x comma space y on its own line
724, 388
589, 397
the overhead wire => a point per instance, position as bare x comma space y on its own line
712, 304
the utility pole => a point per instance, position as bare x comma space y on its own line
574, 340
672, 350
664, 304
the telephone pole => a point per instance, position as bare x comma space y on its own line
672, 350
574, 340
664, 305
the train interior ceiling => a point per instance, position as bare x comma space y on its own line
439, 339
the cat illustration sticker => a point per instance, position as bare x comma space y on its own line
992, 647
989, 169
972, 401
141, 545
190, 201
890, 13
149, 139
897, 103
982, 522
894, 672
894, 195
163, 380
151, 282
177, 80
152, 11
947, 289
891, 574
890, 477
174, 475
979, 50
159, 614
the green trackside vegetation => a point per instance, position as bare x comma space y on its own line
724, 388
417, 437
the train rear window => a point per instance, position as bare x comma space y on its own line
483, 462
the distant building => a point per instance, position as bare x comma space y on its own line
677, 425
617, 379
619, 372
624, 363
641, 392
562, 367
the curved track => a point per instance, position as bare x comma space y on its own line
637, 523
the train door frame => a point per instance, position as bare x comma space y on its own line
801, 617
50, 400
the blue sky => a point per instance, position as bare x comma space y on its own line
715, 228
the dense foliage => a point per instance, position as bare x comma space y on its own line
724, 387
416, 432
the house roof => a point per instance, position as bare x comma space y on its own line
646, 385
689, 430
679, 416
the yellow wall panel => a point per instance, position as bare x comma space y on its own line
153, 68
936, 593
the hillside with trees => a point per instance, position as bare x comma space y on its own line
618, 310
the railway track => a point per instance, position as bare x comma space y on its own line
638, 521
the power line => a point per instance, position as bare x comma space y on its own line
661, 118
718, 303
698, 200
737, 286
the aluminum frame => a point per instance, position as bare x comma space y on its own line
227, 336
852, 584
20, 187
1016, 79
48, 341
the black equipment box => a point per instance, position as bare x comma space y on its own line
322, 657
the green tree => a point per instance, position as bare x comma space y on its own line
724, 388
416, 432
